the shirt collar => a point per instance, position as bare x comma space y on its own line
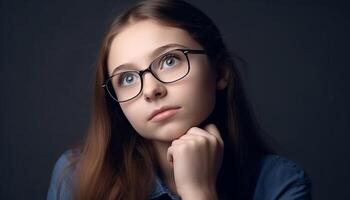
160, 188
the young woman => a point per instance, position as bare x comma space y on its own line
170, 120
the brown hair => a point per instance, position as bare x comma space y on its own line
115, 162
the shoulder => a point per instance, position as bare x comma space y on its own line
65, 158
62, 177
281, 178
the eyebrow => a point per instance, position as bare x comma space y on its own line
154, 54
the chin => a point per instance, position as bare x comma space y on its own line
170, 132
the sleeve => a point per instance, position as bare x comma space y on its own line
61, 179
282, 179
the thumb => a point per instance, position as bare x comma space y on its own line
169, 155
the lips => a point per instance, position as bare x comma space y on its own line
163, 112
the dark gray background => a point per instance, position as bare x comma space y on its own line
297, 75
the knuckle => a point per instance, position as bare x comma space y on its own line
202, 140
174, 142
212, 139
182, 148
192, 142
192, 129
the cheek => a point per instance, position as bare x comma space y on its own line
132, 113
204, 97
204, 86
201, 96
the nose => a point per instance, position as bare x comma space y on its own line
152, 88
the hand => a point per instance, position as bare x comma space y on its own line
196, 159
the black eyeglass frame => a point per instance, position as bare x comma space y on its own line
149, 69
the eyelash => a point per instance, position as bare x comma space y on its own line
169, 56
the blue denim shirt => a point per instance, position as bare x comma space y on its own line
279, 178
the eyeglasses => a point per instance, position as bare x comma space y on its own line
167, 68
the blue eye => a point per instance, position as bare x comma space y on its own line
127, 78
169, 61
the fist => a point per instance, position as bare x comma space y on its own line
196, 159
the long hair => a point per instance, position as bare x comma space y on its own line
115, 162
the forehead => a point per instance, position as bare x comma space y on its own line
137, 41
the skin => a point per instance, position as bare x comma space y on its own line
189, 156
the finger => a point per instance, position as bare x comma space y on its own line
192, 135
169, 155
198, 135
205, 133
213, 130
194, 139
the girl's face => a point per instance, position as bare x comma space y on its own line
137, 45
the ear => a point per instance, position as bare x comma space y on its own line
223, 77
